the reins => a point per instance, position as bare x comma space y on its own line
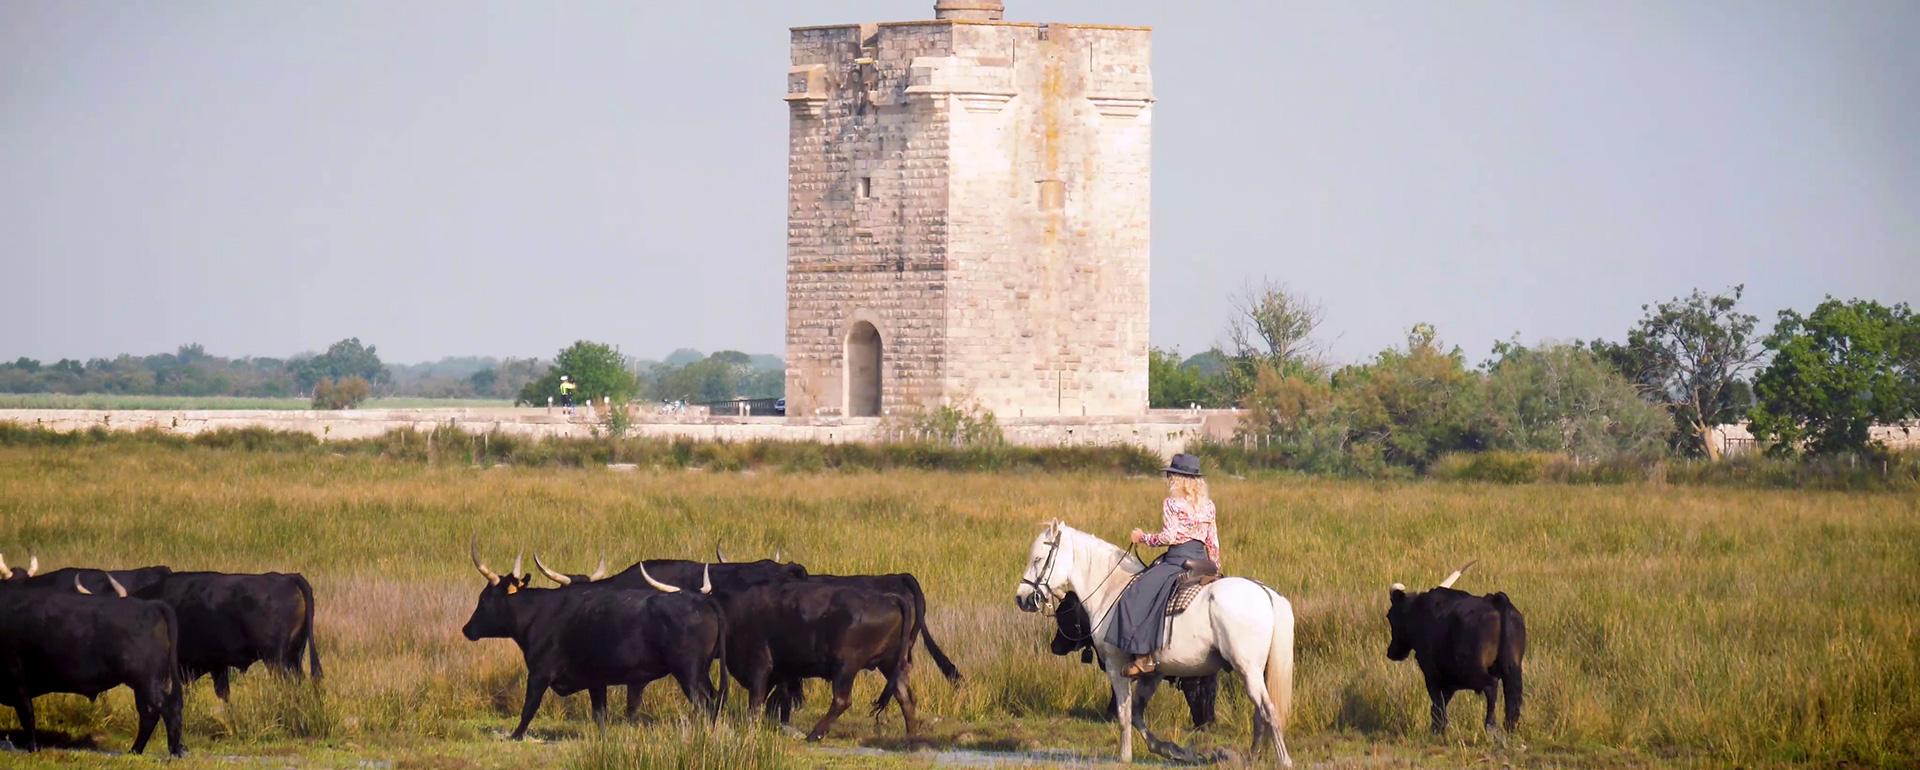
1094, 625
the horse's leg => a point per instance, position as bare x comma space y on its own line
1123, 698
1252, 648
1143, 690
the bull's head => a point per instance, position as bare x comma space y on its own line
492, 616
16, 573
1072, 631
1402, 642
1048, 565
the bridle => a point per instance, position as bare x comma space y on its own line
1049, 604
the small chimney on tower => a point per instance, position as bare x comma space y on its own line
969, 10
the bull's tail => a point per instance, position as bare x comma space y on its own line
720, 654
175, 694
312, 643
1513, 649
947, 669
903, 657
1280, 662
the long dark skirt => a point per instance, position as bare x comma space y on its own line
1137, 618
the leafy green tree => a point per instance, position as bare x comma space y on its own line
1565, 399
346, 358
597, 369
1297, 420
1410, 406
1689, 354
1171, 384
1835, 373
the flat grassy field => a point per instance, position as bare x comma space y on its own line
117, 401
1670, 625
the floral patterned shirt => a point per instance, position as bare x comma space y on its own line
1180, 523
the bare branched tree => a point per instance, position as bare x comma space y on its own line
1272, 323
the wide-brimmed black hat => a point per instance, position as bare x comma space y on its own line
1185, 465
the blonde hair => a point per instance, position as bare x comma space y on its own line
1192, 489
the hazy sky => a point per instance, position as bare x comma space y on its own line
457, 177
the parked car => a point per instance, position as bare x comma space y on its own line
780, 406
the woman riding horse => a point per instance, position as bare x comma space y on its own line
1188, 532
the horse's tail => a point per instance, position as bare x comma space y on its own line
1280, 661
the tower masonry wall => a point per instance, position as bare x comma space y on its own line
979, 191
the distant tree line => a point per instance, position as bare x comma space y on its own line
1815, 385
686, 376
350, 371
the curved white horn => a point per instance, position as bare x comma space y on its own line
706, 579
6, 572
598, 572
717, 555
1448, 583
1400, 588
33, 564
77, 587
473, 552
551, 575
657, 585
118, 590
776, 555
518, 571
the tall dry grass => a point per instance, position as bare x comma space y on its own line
1690, 624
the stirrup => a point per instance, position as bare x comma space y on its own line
1142, 665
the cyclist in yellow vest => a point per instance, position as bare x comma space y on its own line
567, 386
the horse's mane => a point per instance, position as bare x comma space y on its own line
1131, 562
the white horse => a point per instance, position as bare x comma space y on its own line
1234, 621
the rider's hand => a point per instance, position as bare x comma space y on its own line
1138, 536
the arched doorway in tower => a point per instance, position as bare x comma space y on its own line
863, 370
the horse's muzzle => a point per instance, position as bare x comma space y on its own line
1028, 603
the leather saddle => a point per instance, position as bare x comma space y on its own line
1195, 574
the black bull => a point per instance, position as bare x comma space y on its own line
1462, 642
786, 632
234, 621
56, 642
1074, 633
590, 637
732, 577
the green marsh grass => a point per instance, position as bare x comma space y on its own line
1670, 624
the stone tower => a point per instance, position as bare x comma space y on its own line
968, 215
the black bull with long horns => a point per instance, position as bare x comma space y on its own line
592, 637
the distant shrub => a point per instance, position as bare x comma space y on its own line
344, 393
954, 426
1498, 467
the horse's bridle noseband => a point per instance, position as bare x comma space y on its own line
1048, 602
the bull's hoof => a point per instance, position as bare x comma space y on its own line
815, 737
